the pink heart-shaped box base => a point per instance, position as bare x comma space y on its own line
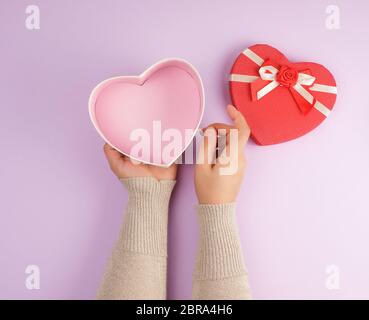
163, 105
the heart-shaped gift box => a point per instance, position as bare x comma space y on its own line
280, 100
152, 117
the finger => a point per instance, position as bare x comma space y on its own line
218, 126
240, 123
231, 160
206, 155
226, 135
112, 155
231, 153
222, 129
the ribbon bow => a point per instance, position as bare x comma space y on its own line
299, 83
286, 77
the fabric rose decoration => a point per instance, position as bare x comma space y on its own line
287, 76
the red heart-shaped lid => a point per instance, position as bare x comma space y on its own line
280, 100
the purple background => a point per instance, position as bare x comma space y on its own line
303, 205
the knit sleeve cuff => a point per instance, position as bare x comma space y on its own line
149, 187
219, 255
145, 225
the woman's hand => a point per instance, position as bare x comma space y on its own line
123, 167
219, 181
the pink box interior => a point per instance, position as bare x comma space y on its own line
170, 93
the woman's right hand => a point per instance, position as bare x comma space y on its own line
219, 181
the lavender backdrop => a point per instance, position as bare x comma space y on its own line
303, 206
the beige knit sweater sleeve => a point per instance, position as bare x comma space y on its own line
138, 265
220, 272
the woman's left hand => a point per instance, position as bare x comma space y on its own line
123, 167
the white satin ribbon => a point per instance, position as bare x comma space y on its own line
253, 56
269, 73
